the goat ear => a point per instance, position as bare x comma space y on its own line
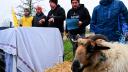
99, 45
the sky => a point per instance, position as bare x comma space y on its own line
66, 4
5, 13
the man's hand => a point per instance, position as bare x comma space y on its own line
41, 21
126, 34
51, 20
80, 23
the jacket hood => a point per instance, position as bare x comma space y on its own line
58, 6
105, 2
80, 6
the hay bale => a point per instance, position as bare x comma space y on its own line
63, 67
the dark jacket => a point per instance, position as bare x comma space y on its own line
83, 15
37, 18
105, 18
59, 16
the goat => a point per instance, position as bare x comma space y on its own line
97, 54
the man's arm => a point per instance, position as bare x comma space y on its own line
93, 21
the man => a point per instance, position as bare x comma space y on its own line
39, 19
26, 20
105, 18
56, 16
78, 11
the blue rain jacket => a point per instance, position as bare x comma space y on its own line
105, 18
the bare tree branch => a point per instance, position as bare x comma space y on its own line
29, 4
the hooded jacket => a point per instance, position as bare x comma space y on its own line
83, 15
59, 16
105, 18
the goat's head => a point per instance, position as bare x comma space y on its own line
88, 48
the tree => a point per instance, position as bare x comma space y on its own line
27, 4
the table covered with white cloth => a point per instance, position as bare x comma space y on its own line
35, 48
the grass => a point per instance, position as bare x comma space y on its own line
68, 53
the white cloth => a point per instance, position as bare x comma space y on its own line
8, 40
36, 48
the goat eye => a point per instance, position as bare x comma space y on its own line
90, 48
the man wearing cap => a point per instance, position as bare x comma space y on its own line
39, 19
78, 11
56, 16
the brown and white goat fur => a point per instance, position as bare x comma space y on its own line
111, 56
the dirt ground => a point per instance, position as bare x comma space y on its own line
63, 67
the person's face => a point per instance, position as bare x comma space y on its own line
52, 5
26, 12
38, 11
75, 4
